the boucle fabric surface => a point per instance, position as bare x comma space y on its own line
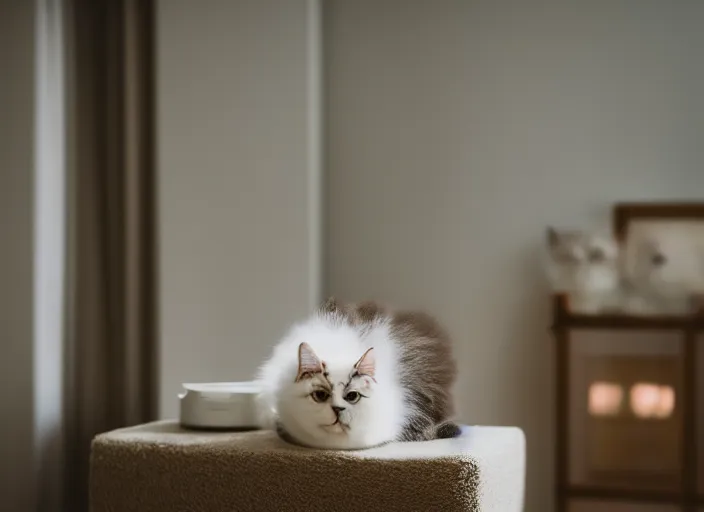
160, 467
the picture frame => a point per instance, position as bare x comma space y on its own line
626, 213
663, 244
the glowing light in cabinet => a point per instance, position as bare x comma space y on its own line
652, 400
605, 398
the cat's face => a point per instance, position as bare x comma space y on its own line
659, 264
582, 261
331, 404
581, 248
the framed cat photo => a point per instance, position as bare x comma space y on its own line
662, 246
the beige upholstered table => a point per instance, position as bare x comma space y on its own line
160, 467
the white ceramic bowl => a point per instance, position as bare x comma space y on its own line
219, 405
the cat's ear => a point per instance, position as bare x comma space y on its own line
367, 363
308, 362
552, 236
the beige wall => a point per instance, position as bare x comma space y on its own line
238, 177
457, 129
16, 254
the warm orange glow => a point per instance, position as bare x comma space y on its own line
605, 398
667, 402
652, 400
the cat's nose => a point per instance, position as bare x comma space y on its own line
337, 409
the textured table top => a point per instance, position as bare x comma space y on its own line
162, 467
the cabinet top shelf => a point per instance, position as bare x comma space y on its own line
565, 318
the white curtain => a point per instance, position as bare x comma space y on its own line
49, 252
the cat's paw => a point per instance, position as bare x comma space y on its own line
447, 430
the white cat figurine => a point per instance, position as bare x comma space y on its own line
585, 266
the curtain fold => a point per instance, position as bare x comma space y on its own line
111, 339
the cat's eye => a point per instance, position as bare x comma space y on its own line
596, 255
353, 397
320, 395
658, 259
566, 256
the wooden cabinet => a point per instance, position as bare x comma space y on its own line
627, 416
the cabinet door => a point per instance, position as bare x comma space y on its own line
625, 416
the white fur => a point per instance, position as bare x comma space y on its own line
662, 288
373, 420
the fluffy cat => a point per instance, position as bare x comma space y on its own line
587, 267
358, 375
